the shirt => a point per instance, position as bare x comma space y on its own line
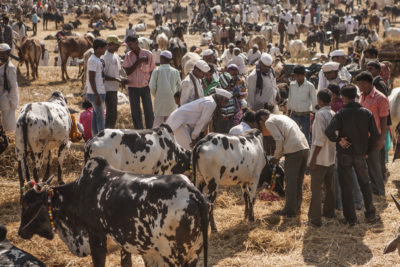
129, 32
94, 64
302, 98
287, 135
239, 129
86, 120
44, 58
187, 93
140, 77
291, 28
156, 55
226, 56
275, 51
165, 81
255, 101
357, 124
253, 57
327, 155
337, 104
196, 115
377, 103
34, 18
9, 100
112, 69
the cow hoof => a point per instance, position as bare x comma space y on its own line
214, 230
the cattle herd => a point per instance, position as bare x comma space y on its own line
153, 197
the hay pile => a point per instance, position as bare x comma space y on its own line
389, 50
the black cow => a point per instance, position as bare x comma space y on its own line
13, 256
57, 17
162, 218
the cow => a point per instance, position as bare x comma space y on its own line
394, 106
83, 66
360, 44
266, 30
374, 22
206, 38
41, 127
162, 41
57, 17
178, 50
234, 160
30, 52
395, 243
13, 256
260, 40
141, 27
392, 34
152, 151
74, 47
295, 48
145, 43
162, 218
312, 38
188, 61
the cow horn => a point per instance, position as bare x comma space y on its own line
396, 202
48, 181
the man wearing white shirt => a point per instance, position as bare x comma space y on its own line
190, 120
130, 31
238, 60
291, 142
44, 56
156, 54
228, 54
96, 93
343, 75
322, 162
339, 56
275, 51
248, 123
112, 68
302, 100
291, 29
192, 87
253, 55
297, 18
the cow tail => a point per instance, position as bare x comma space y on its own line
24, 127
87, 150
195, 158
203, 206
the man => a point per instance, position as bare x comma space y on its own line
339, 56
9, 96
321, 38
228, 54
224, 37
138, 65
329, 74
281, 31
7, 32
156, 54
374, 67
34, 22
44, 57
130, 31
192, 87
291, 142
249, 122
168, 11
96, 93
112, 68
291, 29
262, 88
253, 55
275, 51
190, 120
21, 31
165, 81
378, 104
356, 135
238, 61
322, 162
302, 100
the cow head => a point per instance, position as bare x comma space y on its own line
58, 97
395, 243
35, 215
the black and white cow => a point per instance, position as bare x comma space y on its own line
41, 127
228, 160
13, 256
162, 218
152, 151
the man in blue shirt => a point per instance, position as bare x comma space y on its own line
34, 22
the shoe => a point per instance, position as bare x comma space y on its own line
329, 216
374, 219
315, 224
345, 221
283, 212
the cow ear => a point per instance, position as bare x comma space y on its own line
396, 202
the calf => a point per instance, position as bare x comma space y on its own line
152, 151
41, 127
30, 52
13, 256
162, 218
229, 160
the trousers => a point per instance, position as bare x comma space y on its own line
135, 94
111, 107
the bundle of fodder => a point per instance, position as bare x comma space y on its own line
389, 50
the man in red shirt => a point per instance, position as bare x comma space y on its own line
378, 104
138, 65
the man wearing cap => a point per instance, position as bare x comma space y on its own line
343, 76
228, 54
44, 57
238, 60
189, 121
192, 87
339, 56
354, 131
165, 81
9, 96
302, 100
138, 65
261, 85
253, 55
7, 32
329, 74
112, 68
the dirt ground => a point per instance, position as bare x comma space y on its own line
269, 241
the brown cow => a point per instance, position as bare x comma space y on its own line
30, 52
74, 47
260, 40
374, 21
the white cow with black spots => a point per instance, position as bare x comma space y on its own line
228, 160
41, 127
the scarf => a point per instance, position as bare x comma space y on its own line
259, 82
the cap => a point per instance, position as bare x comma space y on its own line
223, 92
41, 43
207, 52
203, 66
266, 59
255, 46
233, 66
166, 54
231, 45
4, 47
338, 53
113, 39
330, 66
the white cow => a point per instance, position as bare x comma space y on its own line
394, 106
295, 48
145, 43
266, 30
233, 160
206, 38
141, 27
392, 34
41, 127
162, 41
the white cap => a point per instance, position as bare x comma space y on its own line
4, 47
266, 59
255, 46
203, 66
89, 34
41, 43
338, 53
330, 66
207, 52
232, 66
166, 54
223, 92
